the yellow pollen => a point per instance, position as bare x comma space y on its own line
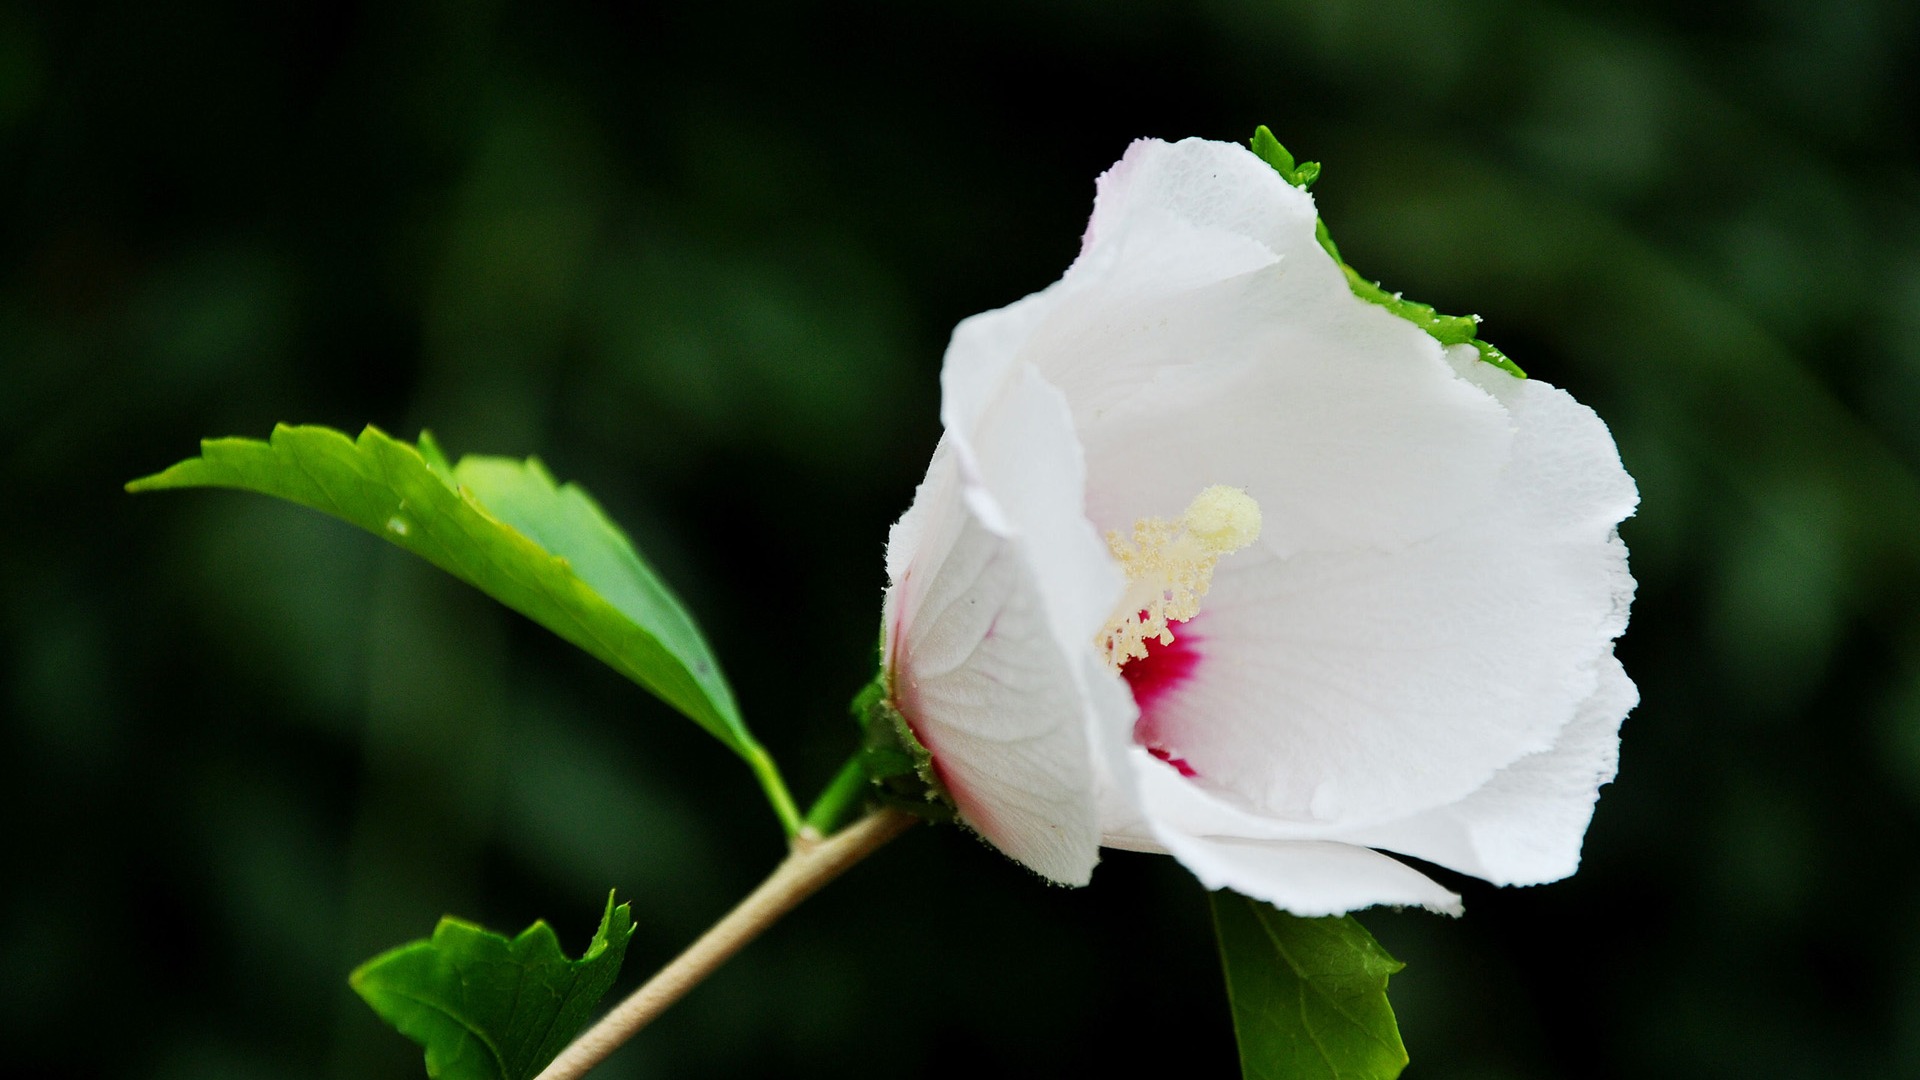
1169, 567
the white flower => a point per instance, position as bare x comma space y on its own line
1416, 652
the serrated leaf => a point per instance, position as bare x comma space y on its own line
486, 1008
1309, 996
544, 549
1446, 329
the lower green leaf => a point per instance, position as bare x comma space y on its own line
1309, 996
486, 1008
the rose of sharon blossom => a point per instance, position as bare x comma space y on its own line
1217, 559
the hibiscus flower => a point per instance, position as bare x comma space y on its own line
1217, 558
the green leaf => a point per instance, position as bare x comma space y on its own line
486, 1008
564, 520
1309, 996
1446, 329
544, 549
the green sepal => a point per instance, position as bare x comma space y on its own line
1309, 996
505, 526
897, 764
1446, 329
488, 1008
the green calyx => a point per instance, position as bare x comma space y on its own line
899, 768
1445, 329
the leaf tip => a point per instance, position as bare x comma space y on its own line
1268, 148
616, 928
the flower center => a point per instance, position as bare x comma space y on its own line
1169, 567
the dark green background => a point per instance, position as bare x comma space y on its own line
704, 259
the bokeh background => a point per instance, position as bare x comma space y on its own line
704, 258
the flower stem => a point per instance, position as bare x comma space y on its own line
841, 796
810, 864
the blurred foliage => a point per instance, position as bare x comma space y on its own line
704, 259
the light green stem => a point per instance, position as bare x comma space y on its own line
768, 774
841, 797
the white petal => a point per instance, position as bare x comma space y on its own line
1570, 482
1227, 847
981, 680
1166, 803
908, 536
1343, 421
1020, 459
1307, 877
1525, 826
999, 588
1171, 217
1359, 687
